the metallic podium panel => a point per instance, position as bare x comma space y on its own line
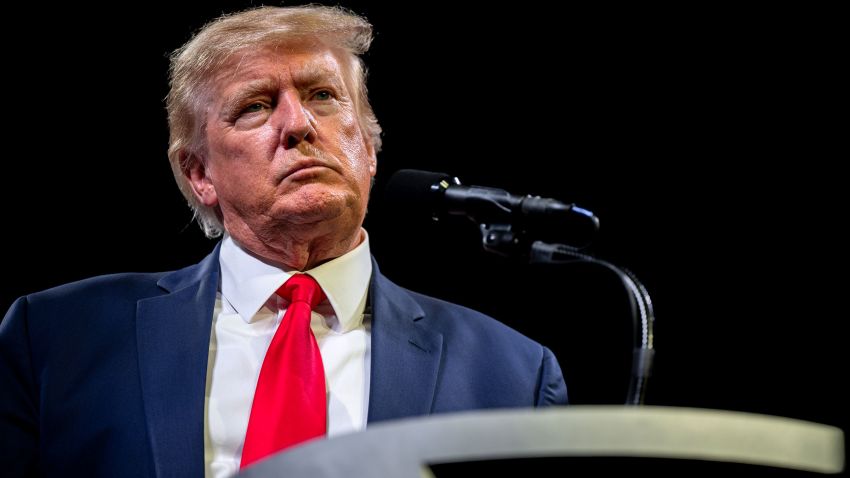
404, 448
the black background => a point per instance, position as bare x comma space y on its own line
706, 140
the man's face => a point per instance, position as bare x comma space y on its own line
284, 145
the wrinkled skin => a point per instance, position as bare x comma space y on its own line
286, 161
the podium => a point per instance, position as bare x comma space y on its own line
406, 448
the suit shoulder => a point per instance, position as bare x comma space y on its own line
130, 285
463, 320
430, 303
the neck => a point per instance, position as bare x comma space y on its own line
297, 248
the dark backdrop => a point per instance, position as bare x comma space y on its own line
706, 140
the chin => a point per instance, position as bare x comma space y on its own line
311, 209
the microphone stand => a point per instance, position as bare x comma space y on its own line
502, 239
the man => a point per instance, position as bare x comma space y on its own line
274, 144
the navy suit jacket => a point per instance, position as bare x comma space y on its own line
106, 377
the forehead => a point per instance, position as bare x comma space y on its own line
299, 61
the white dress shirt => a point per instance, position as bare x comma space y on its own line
247, 314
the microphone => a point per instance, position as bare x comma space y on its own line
439, 194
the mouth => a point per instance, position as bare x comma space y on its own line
304, 168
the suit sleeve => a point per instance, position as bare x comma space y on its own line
18, 409
551, 389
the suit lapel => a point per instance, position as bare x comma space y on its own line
173, 332
405, 354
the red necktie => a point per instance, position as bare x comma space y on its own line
289, 402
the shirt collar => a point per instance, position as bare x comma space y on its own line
247, 282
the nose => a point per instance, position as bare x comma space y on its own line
296, 122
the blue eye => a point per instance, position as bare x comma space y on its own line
323, 95
254, 108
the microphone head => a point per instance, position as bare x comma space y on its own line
417, 191
411, 193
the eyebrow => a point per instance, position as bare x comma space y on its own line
315, 73
252, 88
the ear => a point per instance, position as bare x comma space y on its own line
373, 157
373, 161
195, 170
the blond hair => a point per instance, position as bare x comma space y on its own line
194, 65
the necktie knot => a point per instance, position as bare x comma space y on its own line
302, 288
